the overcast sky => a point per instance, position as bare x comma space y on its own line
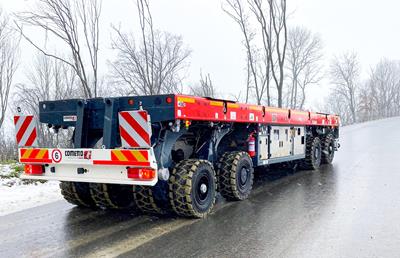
367, 27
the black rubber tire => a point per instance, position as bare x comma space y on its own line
186, 195
77, 193
113, 196
313, 154
145, 200
328, 149
236, 176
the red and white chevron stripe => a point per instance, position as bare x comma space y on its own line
26, 132
135, 129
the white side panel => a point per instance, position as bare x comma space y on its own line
263, 146
281, 144
298, 141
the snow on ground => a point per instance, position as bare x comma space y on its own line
16, 195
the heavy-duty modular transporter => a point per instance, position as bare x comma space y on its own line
169, 153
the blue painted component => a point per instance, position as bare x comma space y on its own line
110, 137
98, 117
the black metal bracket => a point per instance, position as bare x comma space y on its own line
78, 133
110, 128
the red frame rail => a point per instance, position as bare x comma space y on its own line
204, 109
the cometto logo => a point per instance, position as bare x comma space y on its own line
78, 154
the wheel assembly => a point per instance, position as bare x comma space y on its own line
112, 196
328, 149
313, 154
236, 175
147, 200
192, 188
77, 194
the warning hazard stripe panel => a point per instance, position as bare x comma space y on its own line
135, 129
126, 157
26, 132
35, 156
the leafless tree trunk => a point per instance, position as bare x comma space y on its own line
66, 20
366, 107
205, 88
48, 79
278, 14
268, 62
265, 23
344, 73
256, 78
155, 64
303, 64
8, 62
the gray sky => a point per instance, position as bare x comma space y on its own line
367, 27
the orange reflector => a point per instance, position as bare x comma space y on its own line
141, 173
168, 100
34, 169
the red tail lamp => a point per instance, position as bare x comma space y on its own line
168, 100
33, 169
141, 173
131, 102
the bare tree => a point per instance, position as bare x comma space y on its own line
278, 14
7, 147
380, 95
151, 64
268, 62
366, 107
344, 73
66, 21
257, 64
272, 18
336, 103
205, 88
303, 64
47, 79
8, 62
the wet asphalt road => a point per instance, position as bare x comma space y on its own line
348, 209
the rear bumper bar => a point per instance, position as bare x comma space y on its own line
90, 165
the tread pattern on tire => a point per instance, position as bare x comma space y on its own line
100, 195
181, 186
227, 176
72, 195
145, 201
325, 159
308, 162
